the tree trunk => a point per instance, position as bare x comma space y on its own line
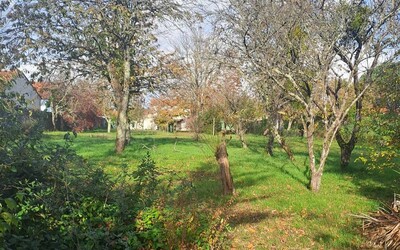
270, 144
122, 120
241, 132
122, 125
221, 155
283, 144
304, 134
346, 148
274, 134
53, 120
108, 125
315, 181
289, 127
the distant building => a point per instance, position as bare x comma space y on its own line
181, 124
147, 123
16, 82
43, 91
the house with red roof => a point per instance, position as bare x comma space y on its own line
14, 81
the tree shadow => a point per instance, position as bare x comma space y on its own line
252, 217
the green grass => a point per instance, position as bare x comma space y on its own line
273, 208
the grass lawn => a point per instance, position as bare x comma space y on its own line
273, 209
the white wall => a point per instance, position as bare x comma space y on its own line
23, 87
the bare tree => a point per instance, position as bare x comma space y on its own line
196, 72
295, 51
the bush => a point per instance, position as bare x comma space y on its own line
53, 198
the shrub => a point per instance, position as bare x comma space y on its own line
53, 198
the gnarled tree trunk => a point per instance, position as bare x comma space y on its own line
347, 147
221, 155
273, 133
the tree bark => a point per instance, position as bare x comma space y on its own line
270, 143
346, 148
221, 155
283, 144
53, 117
108, 125
241, 133
122, 120
122, 125
273, 133
315, 181
289, 127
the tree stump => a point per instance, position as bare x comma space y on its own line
221, 155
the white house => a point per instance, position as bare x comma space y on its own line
18, 83
147, 123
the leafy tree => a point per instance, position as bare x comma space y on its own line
370, 31
109, 39
4, 54
167, 108
382, 123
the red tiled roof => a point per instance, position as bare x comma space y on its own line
42, 89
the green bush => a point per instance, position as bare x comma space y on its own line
53, 198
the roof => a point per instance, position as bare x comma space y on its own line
9, 75
43, 89
6, 77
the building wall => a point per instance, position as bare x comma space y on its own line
147, 123
23, 87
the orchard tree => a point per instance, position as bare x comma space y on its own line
56, 91
295, 52
237, 105
371, 33
196, 71
274, 101
382, 112
109, 39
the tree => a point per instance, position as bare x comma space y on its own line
295, 52
106, 103
274, 101
4, 55
56, 91
371, 30
381, 122
237, 105
196, 71
221, 155
167, 108
110, 39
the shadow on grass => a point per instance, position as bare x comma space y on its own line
250, 217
